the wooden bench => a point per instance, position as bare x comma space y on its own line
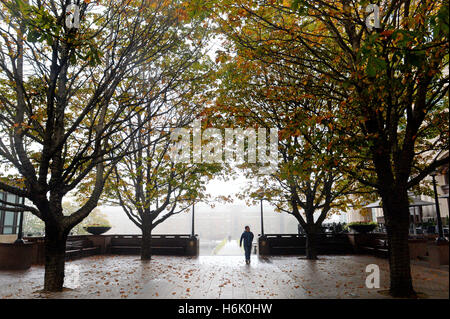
379, 248
124, 245
173, 250
293, 244
287, 250
161, 245
285, 244
80, 247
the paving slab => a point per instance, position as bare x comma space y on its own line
218, 277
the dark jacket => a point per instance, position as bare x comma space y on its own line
247, 236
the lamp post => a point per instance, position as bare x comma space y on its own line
193, 212
441, 237
414, 221
262, 218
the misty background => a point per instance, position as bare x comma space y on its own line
216, 223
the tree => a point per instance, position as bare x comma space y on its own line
308, 183
148, 183
65, 98
388, 81
150, 187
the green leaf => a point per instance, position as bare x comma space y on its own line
33, 36
374, 66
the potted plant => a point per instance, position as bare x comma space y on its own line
362, 227
97, 229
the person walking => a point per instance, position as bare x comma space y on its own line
247, 237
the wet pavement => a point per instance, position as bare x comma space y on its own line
231, 248
220, 277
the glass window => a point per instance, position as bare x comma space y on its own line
9, 219
11, 198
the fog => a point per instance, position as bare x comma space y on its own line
210, 223
216, 223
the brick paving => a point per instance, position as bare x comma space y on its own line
220, 277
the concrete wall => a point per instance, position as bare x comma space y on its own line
7, 238
16, 256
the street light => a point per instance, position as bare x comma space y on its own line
261, 198
441, 237
262, 219
193, 211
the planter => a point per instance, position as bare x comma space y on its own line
362, 229
97, 230
16, 256
417, 248
438, 254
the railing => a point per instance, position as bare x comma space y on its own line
320, 235
165, 244
295, 244
183, 245
153, 236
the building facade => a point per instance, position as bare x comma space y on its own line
419, 214
9, 221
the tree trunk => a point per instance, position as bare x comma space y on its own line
397, 225
55, 255
311, 242
399, 263
146, 246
